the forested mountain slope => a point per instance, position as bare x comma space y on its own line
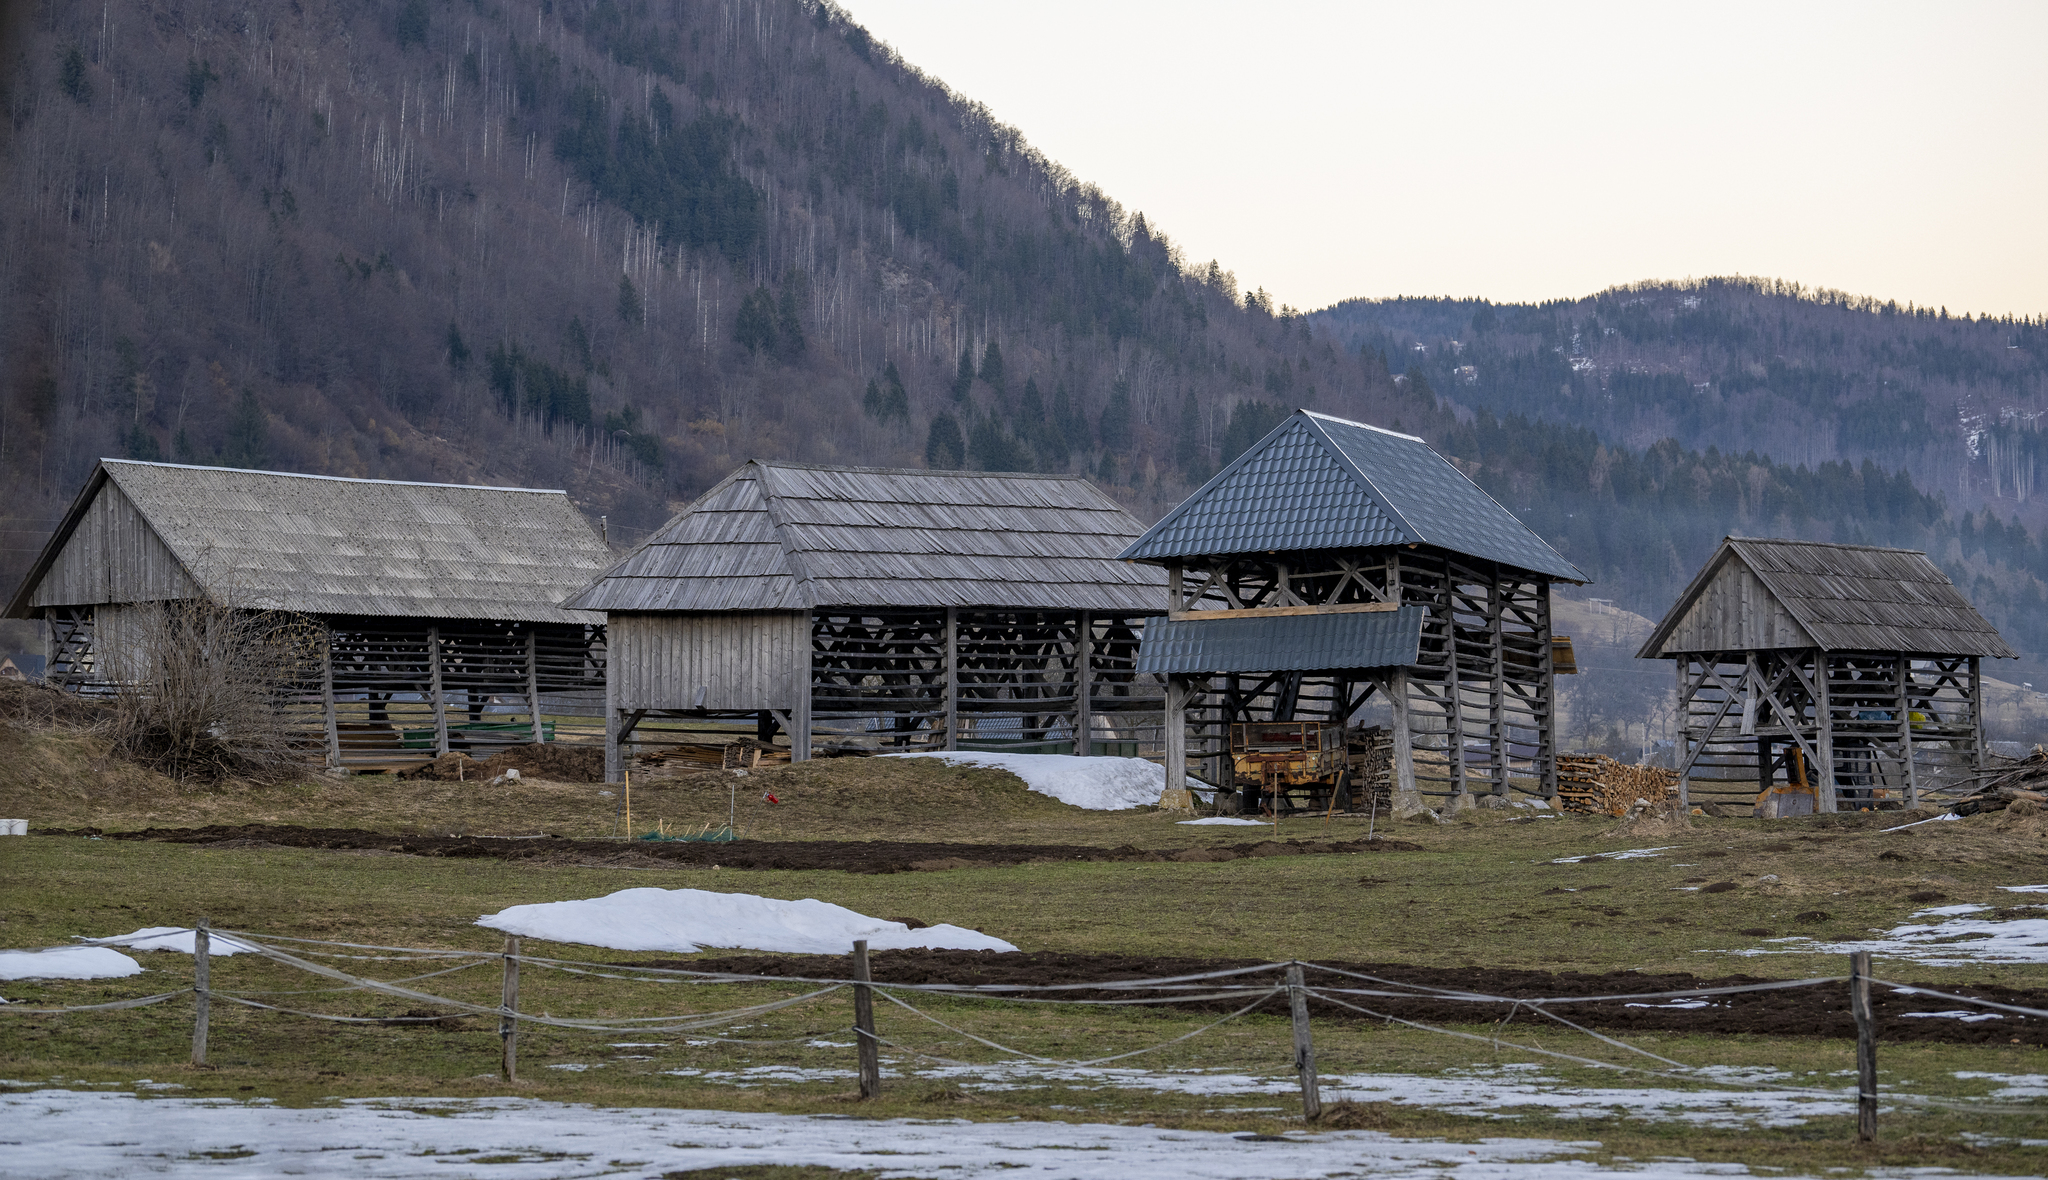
620, 247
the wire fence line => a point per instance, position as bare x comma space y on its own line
1221, 985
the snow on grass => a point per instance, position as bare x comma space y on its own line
1097, 784
62, 1133
1630, 854
686, 921
67, 962
2012, 1085
1955, 940
171, 938
1222, 821
2025, 888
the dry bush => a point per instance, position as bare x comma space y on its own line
43, 706
212, 692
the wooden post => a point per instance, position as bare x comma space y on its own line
1866, 1045
533, 682
1084, 675
1175, 732
1976, 717
508, 1005
440, 704
202, 989
327, 701
1304, 1047
800, 709
864, 1024
614, 760
952, 678
1824, 719
1405, 793
1681, 750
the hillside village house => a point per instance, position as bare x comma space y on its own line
439, 607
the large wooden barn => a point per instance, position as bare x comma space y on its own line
1822, 677
439, 605
918, 609
1335, 561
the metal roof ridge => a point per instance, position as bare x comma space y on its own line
404, 483
1365, 426
1372, 488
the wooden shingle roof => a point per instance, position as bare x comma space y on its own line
317, 544
1757, 593
785, 536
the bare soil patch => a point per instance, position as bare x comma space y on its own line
853, 856
1820, 1010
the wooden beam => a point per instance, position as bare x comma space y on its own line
440, 701
1281, 612
952, 678
1084, 681
327, 698
533, 682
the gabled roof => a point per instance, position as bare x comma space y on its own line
1816, 594
1317, 482
317, 544
785, 536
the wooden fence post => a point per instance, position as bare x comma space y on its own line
864, 1024
508, 1025
1304, 1047
1866, 1045
202, 987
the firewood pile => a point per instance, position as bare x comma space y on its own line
2027, 779
743, 754
1597, 784
1370, 750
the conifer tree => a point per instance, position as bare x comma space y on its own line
992, 366
944, 449
963, 377
1187, 441
248, 442
631, 308
1115, 426
789, 326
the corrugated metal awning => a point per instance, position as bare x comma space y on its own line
1293, 643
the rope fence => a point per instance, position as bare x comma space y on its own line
1222, 985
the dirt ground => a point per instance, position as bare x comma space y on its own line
1820, 1010
853, 856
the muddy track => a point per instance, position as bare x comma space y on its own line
1817, 1011
852, 856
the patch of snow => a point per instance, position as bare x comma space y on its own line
2015, 1085
1688, 1004
1943, 817
1955, 941
2025, 888
62, 1133
1096, 784
1631, 854
172, 938
67, 962
1220, 821
1966, 1015
685, 921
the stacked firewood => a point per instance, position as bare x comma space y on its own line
1597, 784
1370, 751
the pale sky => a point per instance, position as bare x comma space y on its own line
1536, 151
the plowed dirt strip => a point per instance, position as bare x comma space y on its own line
852, 856
1818, 1011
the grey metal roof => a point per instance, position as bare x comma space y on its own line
785, 536
1289, 643
1849, 598
1317, 482
331, 546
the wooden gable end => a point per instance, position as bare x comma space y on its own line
113, 555
1735, 612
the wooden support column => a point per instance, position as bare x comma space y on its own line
1823, 776
952, 678
1681, 715
1175, 732
1546, 706
614, 763
1406, 798
1976, 716
540, 733
800, 705
327, 699
1084, 682
440, 701
1497, 720
1906, 729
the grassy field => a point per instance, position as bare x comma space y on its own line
1481, 892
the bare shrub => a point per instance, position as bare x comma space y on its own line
212, 692
43, 706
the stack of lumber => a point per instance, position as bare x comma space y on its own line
743, 754
1597, 784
